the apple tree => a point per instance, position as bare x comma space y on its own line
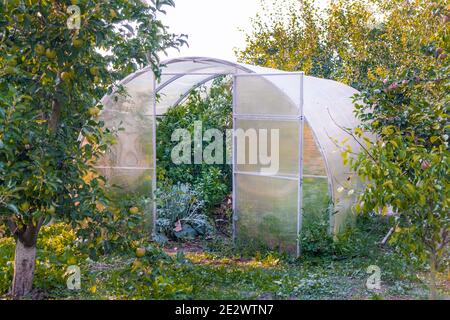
57, 60
407, 168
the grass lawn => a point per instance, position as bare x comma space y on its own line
209, 270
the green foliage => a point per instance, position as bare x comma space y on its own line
202, 275
315, 237
6, 263
180, 214
407, 167
213, 185
352, 41
359, 239
213, 107
289, 36
126, 220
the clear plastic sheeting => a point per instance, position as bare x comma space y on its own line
267, 98
328, 109
173, 93
288, 146
313, 162
262, 97
266, 210
128, 164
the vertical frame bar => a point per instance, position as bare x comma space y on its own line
233, 157
154, 181
300, 169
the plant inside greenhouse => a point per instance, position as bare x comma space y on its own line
166, 150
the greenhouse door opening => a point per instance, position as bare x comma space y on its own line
267, 201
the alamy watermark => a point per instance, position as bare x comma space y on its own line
74, 278
74, 20
374, 280
259, 147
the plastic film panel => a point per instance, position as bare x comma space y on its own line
176, 90
128, 163
267, 212
315, 204
328, 106
287, 145
198, 65
257, 95
267, 124
313, 162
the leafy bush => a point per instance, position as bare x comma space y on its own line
180, 213
6, 263
212, 186
124, 220
315, 238
406, 168
360, 238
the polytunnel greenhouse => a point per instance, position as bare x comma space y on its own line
267, 207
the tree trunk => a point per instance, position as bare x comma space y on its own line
433, 286
24, 264
25, 258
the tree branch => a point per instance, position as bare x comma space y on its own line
40, 223
12, 226
55, 116
353, 136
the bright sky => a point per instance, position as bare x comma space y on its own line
213, 26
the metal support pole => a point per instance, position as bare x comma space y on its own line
233, 157
154, 182
300, 169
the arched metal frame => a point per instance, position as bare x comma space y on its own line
324, 104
